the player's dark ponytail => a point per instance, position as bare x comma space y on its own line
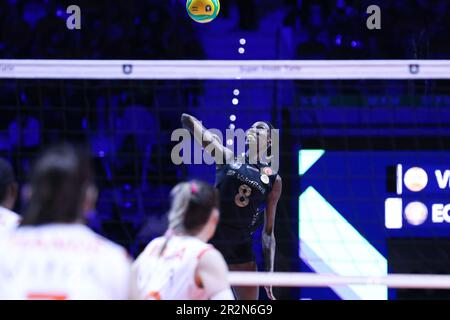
61, 180
6, 178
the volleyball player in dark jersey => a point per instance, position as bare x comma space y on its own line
249, 192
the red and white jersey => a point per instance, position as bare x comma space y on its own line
171, 275
62, 261
8, 220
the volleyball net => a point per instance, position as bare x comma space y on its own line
364, 153
226, 69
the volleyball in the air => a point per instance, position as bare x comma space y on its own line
203, 11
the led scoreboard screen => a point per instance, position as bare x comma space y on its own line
421, 205
422, 199
352, 202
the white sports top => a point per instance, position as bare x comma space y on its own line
62, 261
8, 220
170, 276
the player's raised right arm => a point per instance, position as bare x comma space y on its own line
206, 138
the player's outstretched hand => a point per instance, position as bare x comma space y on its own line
185, 118
188, 121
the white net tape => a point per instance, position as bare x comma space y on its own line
226, 70
279, 279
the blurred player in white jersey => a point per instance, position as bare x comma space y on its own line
8, 195
53, 255
181, 265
